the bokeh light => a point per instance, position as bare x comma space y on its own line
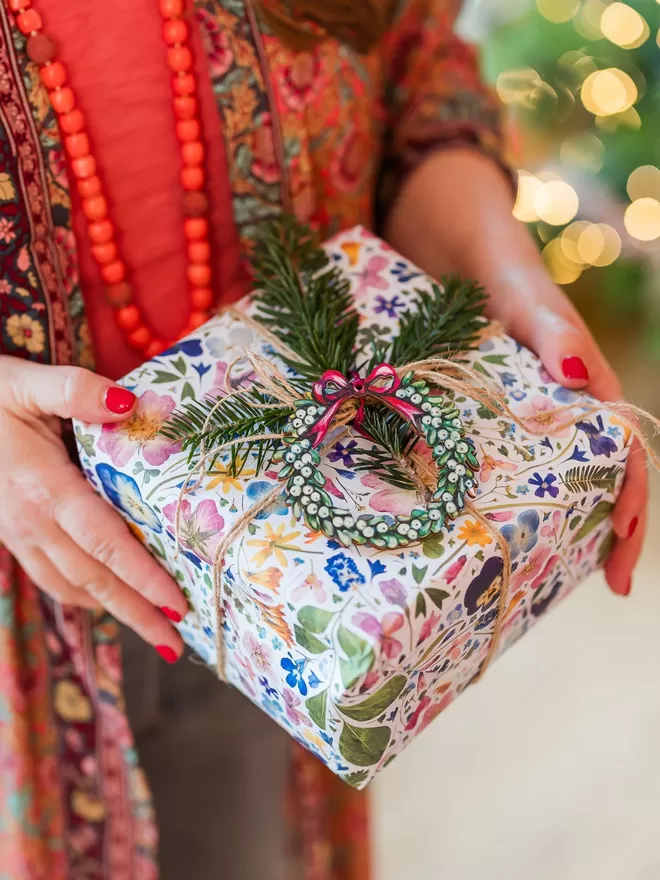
583, 150
609, 91
562, 269
642, 219
624, 26
524, 88
556, 202
587, 21
558, 11
528, 186
644, 182
589, 244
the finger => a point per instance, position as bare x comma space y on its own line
623, 559
116, 597
633, 498
29, 389
46, 576
101, 533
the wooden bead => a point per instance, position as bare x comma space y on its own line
73, 122
183, 84
199, 274
140, 337
18, 5
63, 100
113, 273
40, 48
105, 253
201, 298
195, 204
84, 167
175, 31
199, 251
95, 208
197, 319
171, 8
185, 107
118, 295
77, 145
128, 318
192, 153
53, 75
188, 130
155, 347
101, 232
195, 228
179, 58
91, 186
29, 21
192, 178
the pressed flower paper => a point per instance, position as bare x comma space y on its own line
354, 650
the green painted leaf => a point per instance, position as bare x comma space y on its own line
317, 707
352, 645
420, 605
419, 573
437, 596
605, 548
187, 392
356, 667
356, 779
180, 365
161, 376
500, 359
377, 703
87, 442
315, 620
308, 641
363, 746
480, 369
598, 515
433, 548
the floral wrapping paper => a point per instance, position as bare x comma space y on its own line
354, 650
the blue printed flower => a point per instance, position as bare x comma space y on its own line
189, 347
325, 737
508, 379
518, 394
578, 455
544, 484
404, 271
271, 707
124, 493
599, 443
523, 534
565, 395
277, 643
343, 453
344, 572
295, 670
388, 306
256, 490
269, 691
376, 567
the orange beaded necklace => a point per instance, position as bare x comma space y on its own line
105, 249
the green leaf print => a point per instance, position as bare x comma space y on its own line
363, 746
377, 703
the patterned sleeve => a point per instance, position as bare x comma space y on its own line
434, 93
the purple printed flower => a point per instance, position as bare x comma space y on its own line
599, 442
388, 306
291, 702
544, 484
343, 453
394, 592
383, 630
199, 529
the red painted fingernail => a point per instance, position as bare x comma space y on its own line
574, 368
171, 614
168, 654
119, 400
633, 527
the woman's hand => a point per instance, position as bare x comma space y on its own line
454, 214
68, 540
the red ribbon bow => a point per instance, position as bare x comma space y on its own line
333, 389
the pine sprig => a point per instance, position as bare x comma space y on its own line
396, 440
304, 300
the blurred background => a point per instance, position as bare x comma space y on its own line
550, 768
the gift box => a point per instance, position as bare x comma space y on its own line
351, 647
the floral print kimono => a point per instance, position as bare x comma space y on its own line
324, 132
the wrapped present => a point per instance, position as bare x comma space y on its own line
349, 577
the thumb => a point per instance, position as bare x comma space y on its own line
38, 390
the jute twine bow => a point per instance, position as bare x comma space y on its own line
441, 373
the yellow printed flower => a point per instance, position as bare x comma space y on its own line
70, 702
220, 476
270, 578
273, 544
25, 332
474, 533
352, 250
87, 806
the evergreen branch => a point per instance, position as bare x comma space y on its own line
396, 439
581, 479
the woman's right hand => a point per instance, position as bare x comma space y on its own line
69, 541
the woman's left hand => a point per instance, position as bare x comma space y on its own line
453, 214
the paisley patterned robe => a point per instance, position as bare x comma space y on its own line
324, 132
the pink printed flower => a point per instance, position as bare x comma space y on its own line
291, 701
411, 724
216, 43
199, 529
383, 630
429, 627
454, 569
141, 433
490, 464
545, 574
550, 530
219, 386
500, 516
371, 277
371, 680
311, 587
525, 574
259, 651
433, 711
540, 414
387, 499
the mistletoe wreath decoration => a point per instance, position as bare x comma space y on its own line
304, 301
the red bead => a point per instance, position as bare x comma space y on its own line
140, 337
185, 107
194, 204
63, 100
171, 8
197, 319
179, 58
118, 295
29, 21
105, 253
199, 251
155, 347
77, 145
183, 84
84, 167
91, 186
113, 273
188, 130
101, 232
199, 274
128, 318
201, 298
17, 5
40, 48
95, 208
175, 31
73, 122
53, 75
192, 153
192, 178
195, 228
